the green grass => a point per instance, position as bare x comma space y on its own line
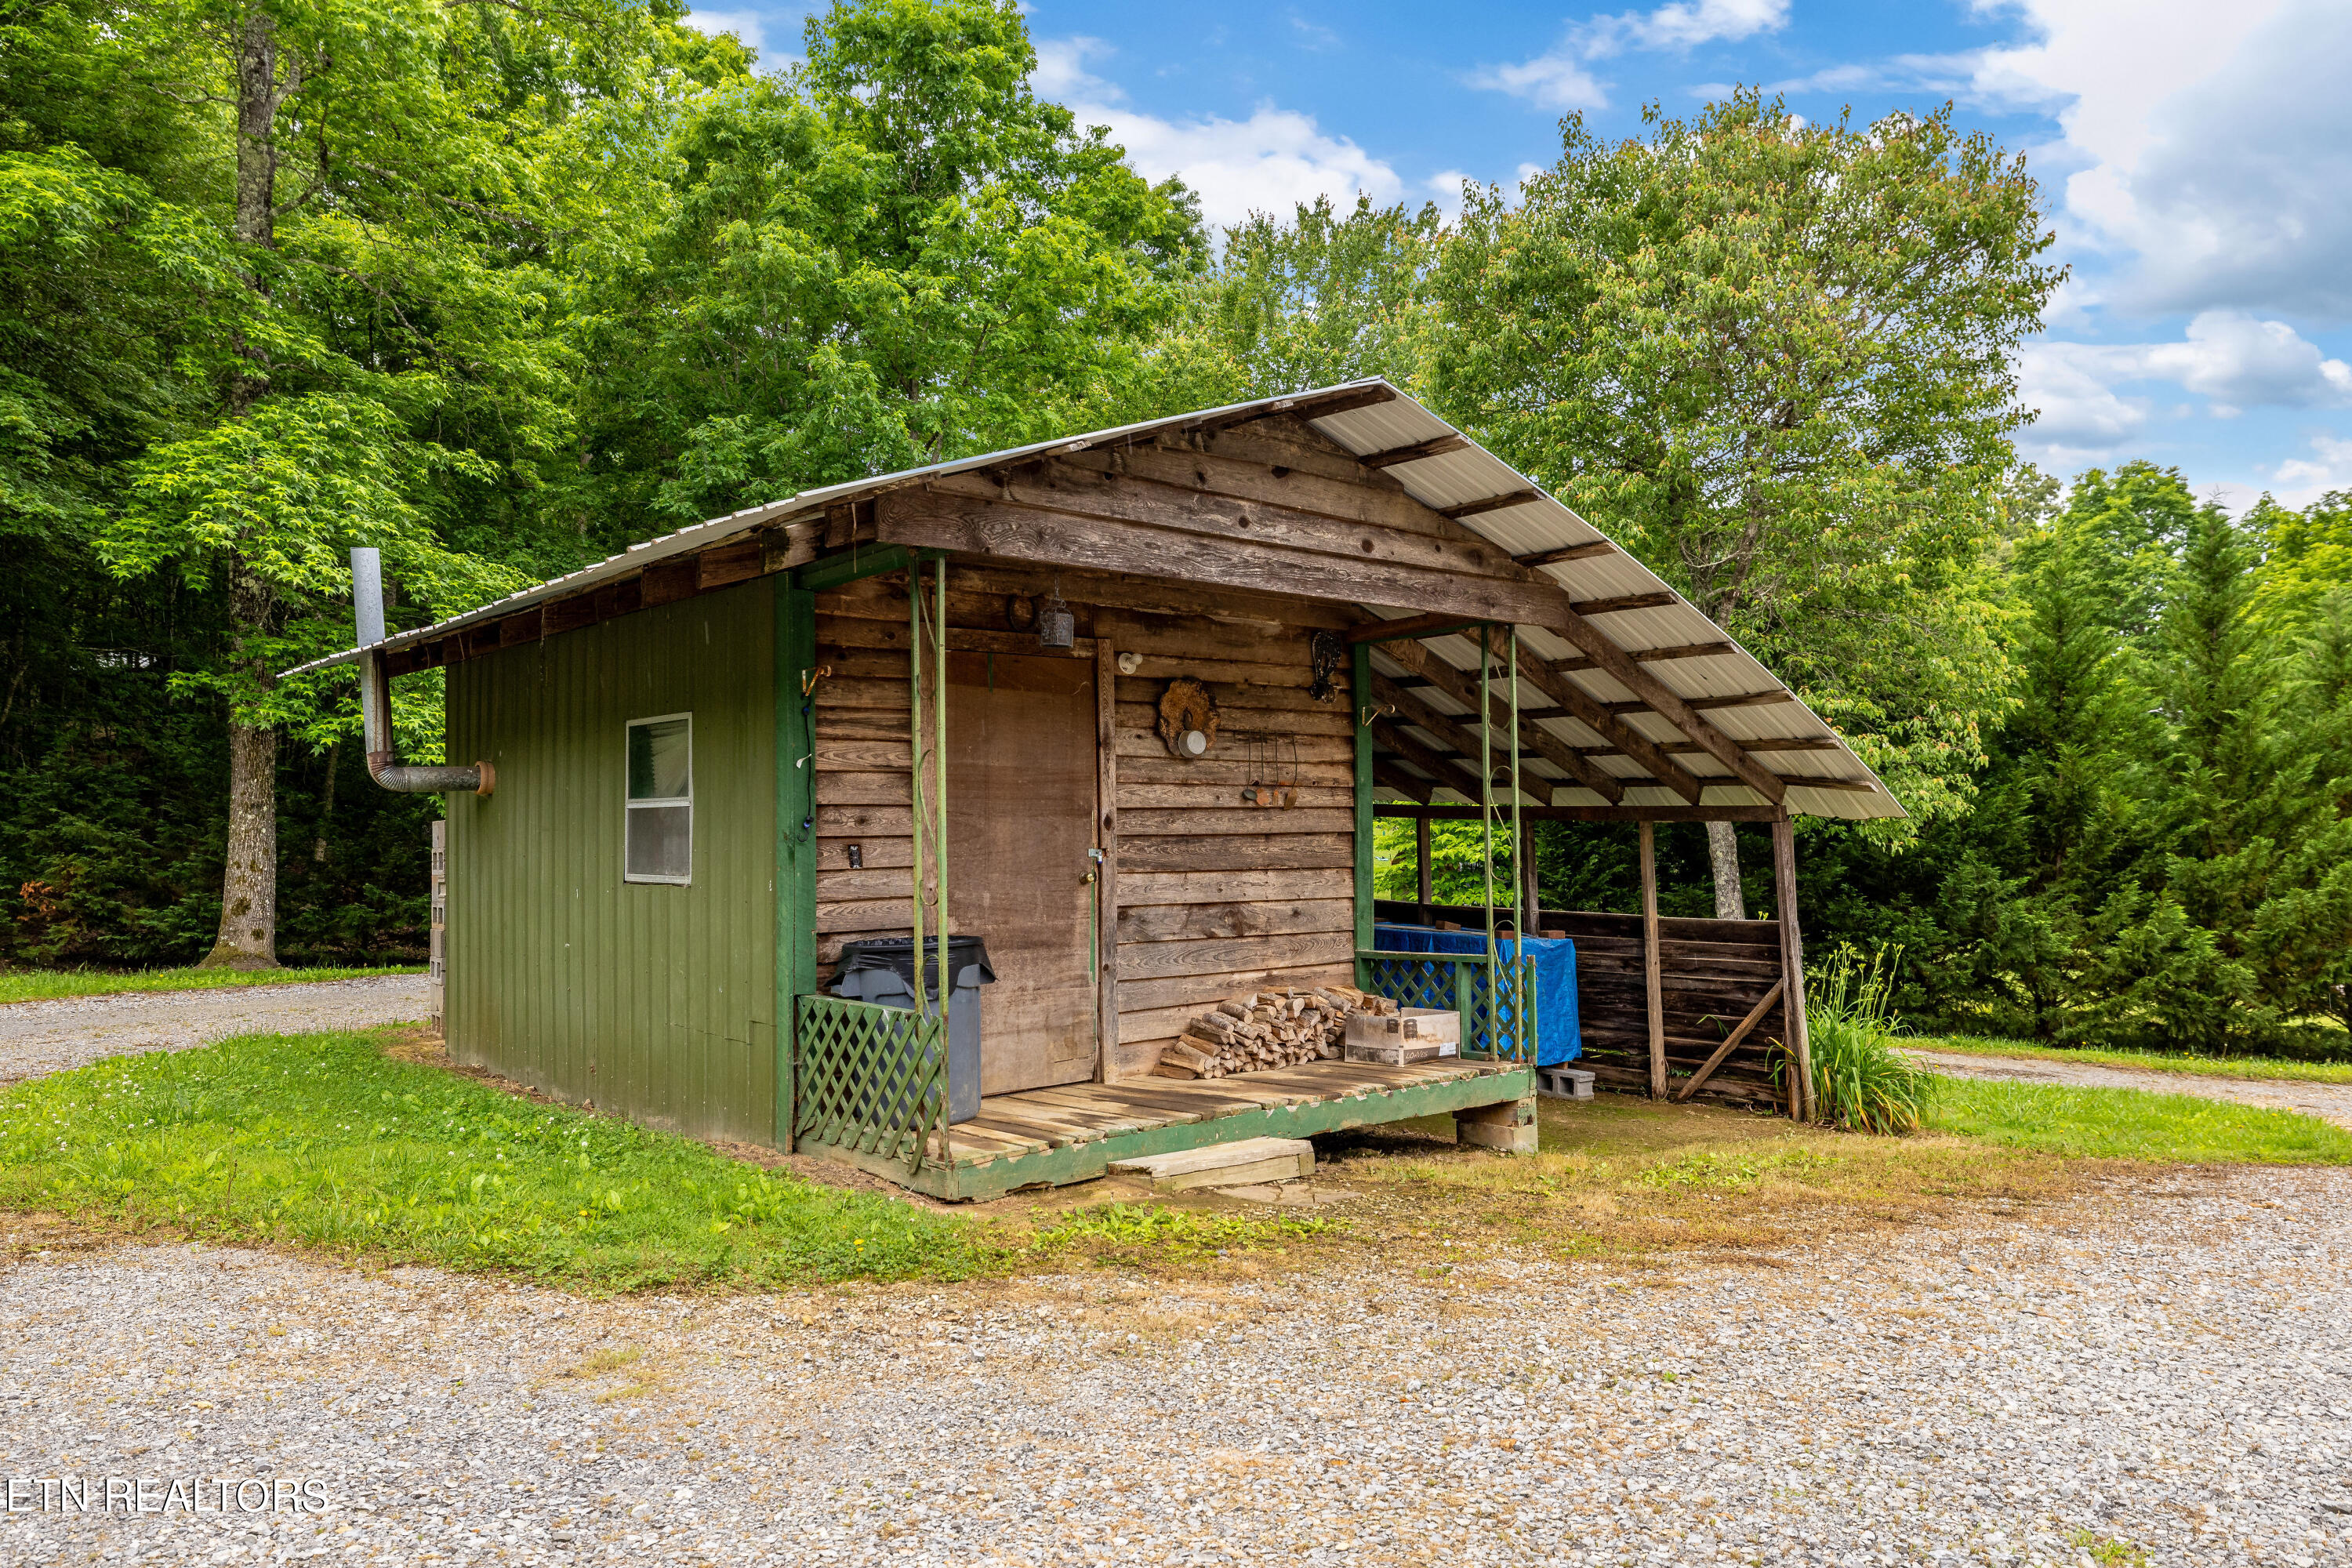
2133, 1124
322, 1140
47, 985
2146, 1061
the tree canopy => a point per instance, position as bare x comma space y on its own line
501, 289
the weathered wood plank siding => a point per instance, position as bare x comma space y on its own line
1713, 972
657, 1002
1215, 896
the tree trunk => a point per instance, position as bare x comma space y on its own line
249, 923
1723, 853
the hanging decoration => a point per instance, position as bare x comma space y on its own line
1328, 652
1188, 719
1272, 762
1055, 625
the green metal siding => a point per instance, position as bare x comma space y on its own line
656, 1002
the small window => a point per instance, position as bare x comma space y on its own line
661, 800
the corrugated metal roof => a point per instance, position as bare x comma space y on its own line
1458, 477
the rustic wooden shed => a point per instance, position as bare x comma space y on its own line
722, 754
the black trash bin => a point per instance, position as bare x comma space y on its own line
881, 969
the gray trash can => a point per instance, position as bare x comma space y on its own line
881, 969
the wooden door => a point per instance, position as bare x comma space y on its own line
1021, 821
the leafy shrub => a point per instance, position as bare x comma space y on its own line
1860, 1081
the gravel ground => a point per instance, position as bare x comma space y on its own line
38, 1037
2329, 1101
2160, 1366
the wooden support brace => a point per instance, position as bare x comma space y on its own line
1730, 1041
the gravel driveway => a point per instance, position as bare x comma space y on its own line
36, 1037
2329, 1101
2162, 1365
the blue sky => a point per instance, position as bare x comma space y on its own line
2195, 158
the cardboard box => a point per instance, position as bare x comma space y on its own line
1414, 1034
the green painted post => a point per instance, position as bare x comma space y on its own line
796, 835
1363, 686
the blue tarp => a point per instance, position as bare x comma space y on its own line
1558, 1039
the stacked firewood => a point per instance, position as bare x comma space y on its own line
1258, 1030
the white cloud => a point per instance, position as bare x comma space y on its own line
2232, 360
2299, 481
749, 26
1683, 25
1555, 80
1558, 78
2209, 147
1268, 163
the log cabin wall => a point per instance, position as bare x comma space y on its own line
1213, 896
1713, 972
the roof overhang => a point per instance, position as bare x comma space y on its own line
1630, 663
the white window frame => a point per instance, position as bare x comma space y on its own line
686, 800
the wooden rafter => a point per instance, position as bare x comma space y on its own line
1436, 446
1589, 548
1440, 765
1411, 785
1652, 601
1463, 688
1652, 655
1491, 503
1458, 734
1590, 710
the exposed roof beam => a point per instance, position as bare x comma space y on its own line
1567, 552
1407, 626
1391, 733
1692, 748
1463, 688
1575, 702
1652, 655
1458, 734
1330, 403
1788, 781
1623, 602
1701, 704
1436, 446
1411, 785
1492, 503
1590, 812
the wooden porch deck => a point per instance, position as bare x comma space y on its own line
1052, 1136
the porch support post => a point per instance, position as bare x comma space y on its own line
1792, 966
795, 635
1362, 687
1107, 870
1651, 987
1420, 862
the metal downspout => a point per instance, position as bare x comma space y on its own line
375, 699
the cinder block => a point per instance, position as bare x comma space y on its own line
1509, 1128
1564, 1083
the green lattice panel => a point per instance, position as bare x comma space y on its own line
868, 1078
1463, 983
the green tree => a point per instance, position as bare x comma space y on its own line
1774, 358
1325, 298
891, 254
361, 261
